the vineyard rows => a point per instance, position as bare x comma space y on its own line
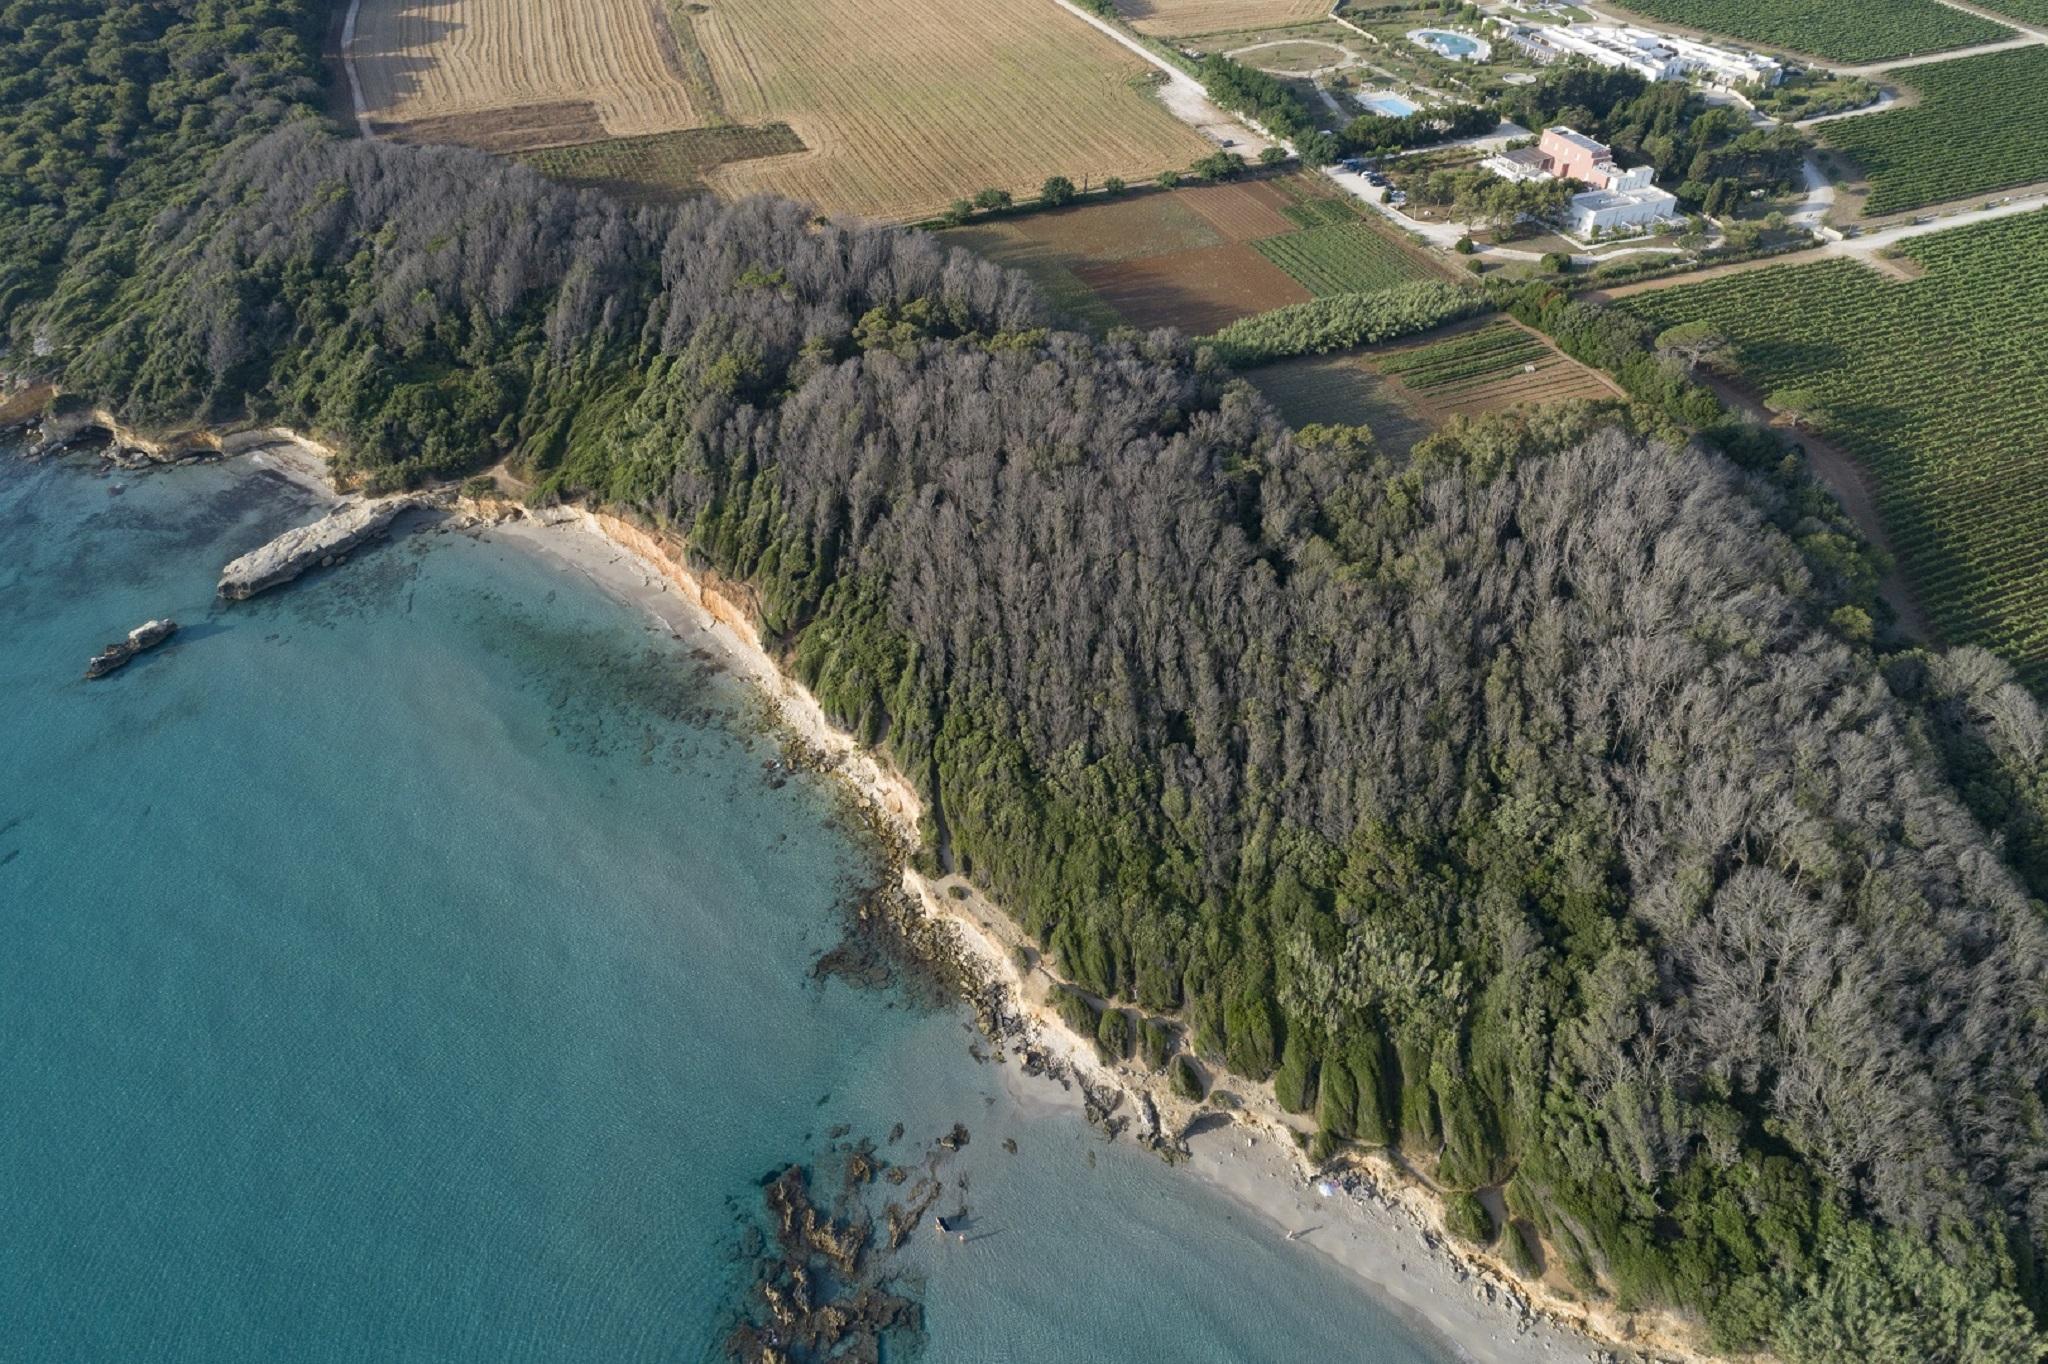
1939, 387
1342, 258
1465, 361
2026, 11
1852, 31
1981, 125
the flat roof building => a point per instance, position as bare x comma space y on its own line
1618, 199
1653, 56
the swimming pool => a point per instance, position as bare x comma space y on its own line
1459, 47
1380, 102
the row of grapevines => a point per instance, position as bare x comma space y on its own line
1981, 125
1940, 388
1853, 31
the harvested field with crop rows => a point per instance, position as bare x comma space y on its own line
1851, 31
1939, 387
907, 105
877, 108
447, 59
1981, 124
1187, 18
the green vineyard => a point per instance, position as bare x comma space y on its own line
1467, 361
1981, 125
1939, 387
1343, 258
2026, 11
1854, 31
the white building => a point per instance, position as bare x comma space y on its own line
1618, 200
1653, 56
1619, 210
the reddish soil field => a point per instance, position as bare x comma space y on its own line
1197, 291
1242, 213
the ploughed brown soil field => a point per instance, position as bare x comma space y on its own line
1198, 291
1184, 18
1182, 258
877, 108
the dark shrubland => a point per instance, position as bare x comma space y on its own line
1514, 801
1466, 1218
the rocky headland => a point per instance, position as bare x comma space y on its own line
323, 543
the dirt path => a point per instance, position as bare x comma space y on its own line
1874, 70
1183, 95
1841, 475
348, 66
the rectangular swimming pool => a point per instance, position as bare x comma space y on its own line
1380, 102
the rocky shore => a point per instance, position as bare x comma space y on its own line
1373, 1216
324, 542
1369, 1213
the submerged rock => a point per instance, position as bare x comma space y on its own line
115, 657
297, 550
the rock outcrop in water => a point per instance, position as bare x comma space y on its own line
115, 657
299, 549
818, 1296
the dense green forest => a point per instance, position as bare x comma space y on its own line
1522, 803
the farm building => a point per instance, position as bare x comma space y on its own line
1617, 199
1651, 55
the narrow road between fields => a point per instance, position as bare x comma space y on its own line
1184, 96
348, 65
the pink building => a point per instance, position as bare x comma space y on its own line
1574, 156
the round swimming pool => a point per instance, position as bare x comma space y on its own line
1459, 47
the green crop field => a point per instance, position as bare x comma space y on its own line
1981, 125
1939, 387
1343, 258
661, 165
1853, 31
1466, 361
2026, 11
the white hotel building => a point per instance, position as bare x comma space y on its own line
1653, 56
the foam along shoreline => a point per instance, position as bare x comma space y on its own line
1375, 1222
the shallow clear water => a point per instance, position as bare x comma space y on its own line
415, 964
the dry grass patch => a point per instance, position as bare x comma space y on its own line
1186, 18
661, 165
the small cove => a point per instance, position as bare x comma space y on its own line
415, 963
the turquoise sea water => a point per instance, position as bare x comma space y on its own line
414, 964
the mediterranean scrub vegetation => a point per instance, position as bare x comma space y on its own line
1513, 801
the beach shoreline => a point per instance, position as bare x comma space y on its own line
1378, 1224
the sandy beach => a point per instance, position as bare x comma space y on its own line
1382, 1228
1371, 1218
